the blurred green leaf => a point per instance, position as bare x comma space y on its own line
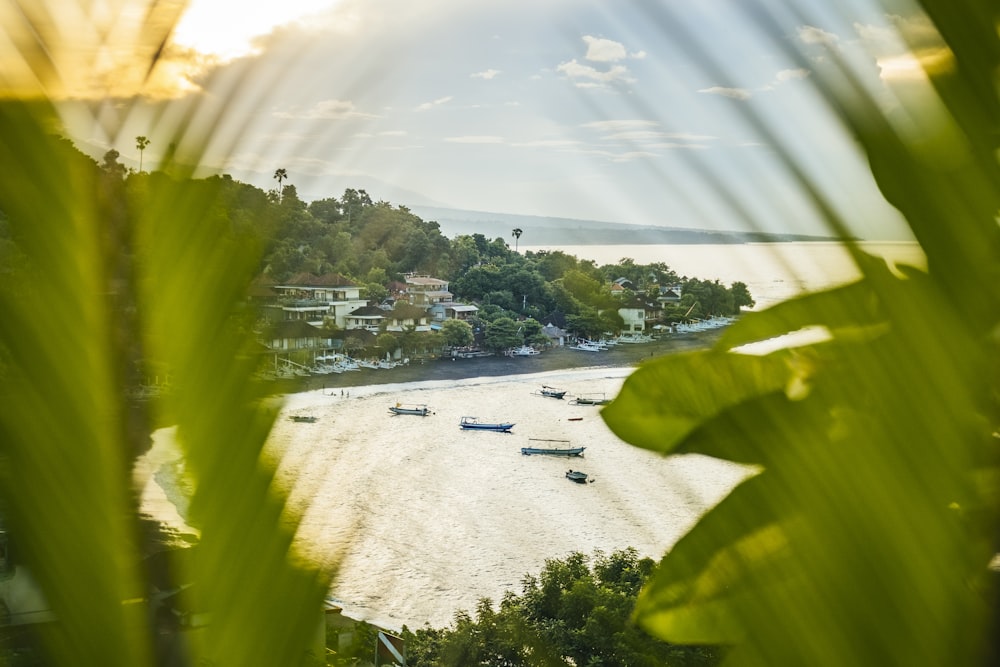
666, 399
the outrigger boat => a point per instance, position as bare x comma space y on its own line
419, 410
553, 451
591, 400
473, 424
551, 392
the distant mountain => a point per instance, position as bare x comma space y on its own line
541, 230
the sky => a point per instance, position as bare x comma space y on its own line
669, 113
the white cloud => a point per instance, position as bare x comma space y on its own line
670, 145
735, 93
632, 155
475, 139
392, 133
812, 35
618, 125
603, 50
638, 55
547, 143
791, 74
485, 74
906, 49
325, 110
587, 76
436, 103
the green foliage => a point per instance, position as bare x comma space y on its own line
159, 274
503, 333
571, 610
456, 333
865, 532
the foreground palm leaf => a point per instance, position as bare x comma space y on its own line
866, 534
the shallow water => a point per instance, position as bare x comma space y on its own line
426, 519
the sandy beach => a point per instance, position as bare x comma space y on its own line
424, 519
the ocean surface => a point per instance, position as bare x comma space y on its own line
424, 519
772, 272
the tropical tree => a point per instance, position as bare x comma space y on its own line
516, 233
456, 333
280, 175
575, 611
503, 333
140, 143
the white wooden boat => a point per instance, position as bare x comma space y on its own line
419, 410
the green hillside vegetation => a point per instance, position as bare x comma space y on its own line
576, 608
373, 243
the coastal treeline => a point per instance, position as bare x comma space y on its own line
577, 610
373, 243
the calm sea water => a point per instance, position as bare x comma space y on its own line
425, 519
772, 271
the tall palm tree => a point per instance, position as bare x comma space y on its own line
141, 142
281, 175
516, 233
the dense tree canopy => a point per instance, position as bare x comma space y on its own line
374, 243
574, 612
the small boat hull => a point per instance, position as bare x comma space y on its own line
471, 424
418, 410
576, 476
572, 451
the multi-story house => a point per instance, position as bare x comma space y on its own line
369, 318
314, 299
425, 291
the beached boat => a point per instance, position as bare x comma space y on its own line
587, 346
419, 410
552, 448
551, 392
576, 476
473, 424
591, 400
308, 419
524, 351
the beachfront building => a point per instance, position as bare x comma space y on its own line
369, 318
556, 335
451, 310
425, 291
405, 317
669, 294
289, 335
313, 299
634, 315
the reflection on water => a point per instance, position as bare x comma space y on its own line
428, 519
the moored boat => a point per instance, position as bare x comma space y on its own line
551, 392
552, 448
591, 400
419, 410
473, 424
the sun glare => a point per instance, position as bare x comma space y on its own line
227, 29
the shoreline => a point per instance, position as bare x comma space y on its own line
554, 359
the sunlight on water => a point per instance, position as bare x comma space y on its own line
773, 272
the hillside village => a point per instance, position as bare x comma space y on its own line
308, 320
